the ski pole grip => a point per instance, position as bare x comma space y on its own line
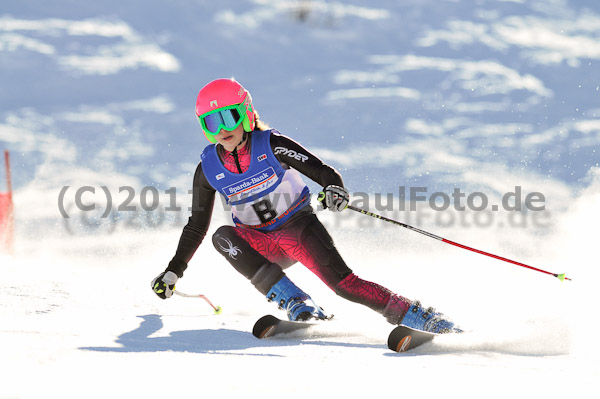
321, 196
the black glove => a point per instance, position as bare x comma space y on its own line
334, 198
164, 284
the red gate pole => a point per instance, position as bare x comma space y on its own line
9, 240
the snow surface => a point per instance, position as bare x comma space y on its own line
482, 95
79, 320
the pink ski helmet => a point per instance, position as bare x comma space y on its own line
219, 96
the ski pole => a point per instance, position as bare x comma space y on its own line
217, 309
561, 277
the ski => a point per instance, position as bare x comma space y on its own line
269, 326
403, 338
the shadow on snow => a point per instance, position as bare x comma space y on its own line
219, 341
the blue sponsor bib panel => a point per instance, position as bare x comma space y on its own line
264, 196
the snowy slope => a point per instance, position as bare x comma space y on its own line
86, 324
481, 95
83, 322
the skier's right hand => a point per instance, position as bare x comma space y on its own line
164, 284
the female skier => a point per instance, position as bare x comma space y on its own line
258, 172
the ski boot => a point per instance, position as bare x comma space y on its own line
428, 320
298, 305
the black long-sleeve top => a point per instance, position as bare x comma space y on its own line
203, 196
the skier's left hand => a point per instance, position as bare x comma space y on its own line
334, 198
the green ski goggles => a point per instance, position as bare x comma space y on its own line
227, 118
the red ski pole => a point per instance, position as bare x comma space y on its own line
561, 277
217, 309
